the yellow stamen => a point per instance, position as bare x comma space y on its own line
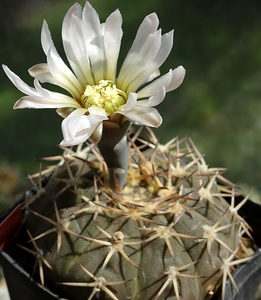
104, 95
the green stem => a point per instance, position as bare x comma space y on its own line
114, 149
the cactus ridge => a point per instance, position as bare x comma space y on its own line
168, 234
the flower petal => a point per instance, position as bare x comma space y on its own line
170, 81
32, 102
63, 74
64, 111
131, 102
75, 10
46, 99
98, 111
154, 75
57, 67
112, 43
154, 100
148, 26
76, 140
46, 39
155, 62
97, 134
153, 87
75, 43
42, 73
39, 102
19, 83
74, 123
60, 99
78, 127
143, 115
94, 36
178, 75
140, 60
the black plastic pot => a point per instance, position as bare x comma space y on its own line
21, 284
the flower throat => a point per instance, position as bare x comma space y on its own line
104, 95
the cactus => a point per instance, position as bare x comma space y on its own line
168, 234
123, 217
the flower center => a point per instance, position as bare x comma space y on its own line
104, 95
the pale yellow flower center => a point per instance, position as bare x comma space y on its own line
104, 95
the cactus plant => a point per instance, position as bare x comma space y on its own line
168, 234
123, 217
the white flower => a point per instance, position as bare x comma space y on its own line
97, 96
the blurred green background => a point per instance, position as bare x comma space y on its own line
219, 103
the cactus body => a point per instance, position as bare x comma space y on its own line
169, 234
